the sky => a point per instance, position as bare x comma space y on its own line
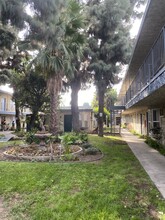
87, 95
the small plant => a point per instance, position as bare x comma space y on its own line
69, 157
154, 144
73, 138
133, 132
156, 133
86, 145
91, 151
30, 138
142, 136
124, 125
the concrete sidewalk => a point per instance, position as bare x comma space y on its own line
150, 159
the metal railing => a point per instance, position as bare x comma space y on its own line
150, 67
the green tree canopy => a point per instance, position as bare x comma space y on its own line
109, 43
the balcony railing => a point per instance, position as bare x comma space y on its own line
151, 66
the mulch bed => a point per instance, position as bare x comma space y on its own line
81, 157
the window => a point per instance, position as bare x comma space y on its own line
118, 120
12, 105
3, 104
155, 116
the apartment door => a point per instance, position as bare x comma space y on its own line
141, 123
67, 123
147, 123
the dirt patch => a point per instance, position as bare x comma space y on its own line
4, 213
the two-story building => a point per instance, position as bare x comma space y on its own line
143, 89
7, 109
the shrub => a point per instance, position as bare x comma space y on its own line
31, 138
86, 145
91, 151
73, 138
154, 144
69, 157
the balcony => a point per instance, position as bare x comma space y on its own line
151, 75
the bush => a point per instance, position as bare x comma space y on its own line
69, 157
86, 145
91, 151
73, 138
154, 144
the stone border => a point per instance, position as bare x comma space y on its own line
38, 158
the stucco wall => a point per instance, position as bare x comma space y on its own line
136, 121
86, 120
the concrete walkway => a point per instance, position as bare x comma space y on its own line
150, 159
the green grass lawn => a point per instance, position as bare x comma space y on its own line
114, 188
10, 143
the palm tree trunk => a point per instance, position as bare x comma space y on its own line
75, 86
54, 87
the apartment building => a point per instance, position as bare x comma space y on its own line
7, 110
87, 120
143, 88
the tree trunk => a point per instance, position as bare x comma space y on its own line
17, 116
101, 92
75, 86
54, 87
32, 121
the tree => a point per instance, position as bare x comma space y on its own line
79, 72
46, 34
109, 44
106, 110
110, 98
81, 76
12, 17
56, 29
33, 94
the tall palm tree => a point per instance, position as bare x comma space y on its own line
58, 46
75, 36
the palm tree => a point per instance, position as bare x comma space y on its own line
62, 41
75, 36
